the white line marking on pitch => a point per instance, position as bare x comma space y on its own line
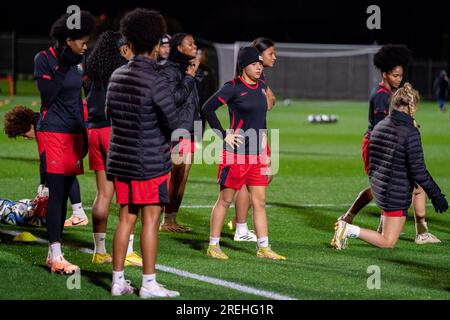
190, 275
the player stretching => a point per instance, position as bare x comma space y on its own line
396, 167
391, 61
243, 162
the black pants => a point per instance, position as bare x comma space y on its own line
74, 194
59, 188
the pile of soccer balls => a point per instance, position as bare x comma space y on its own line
322, 118
25, 211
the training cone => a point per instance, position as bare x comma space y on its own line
25, 237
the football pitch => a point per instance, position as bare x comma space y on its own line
320, 174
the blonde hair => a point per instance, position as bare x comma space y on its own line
408, 97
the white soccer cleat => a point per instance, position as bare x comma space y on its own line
426, 238
248, 236
123, 288
339, 240
157, 291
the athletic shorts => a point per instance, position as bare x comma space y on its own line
365, 153
183, 146
398, 213
142, 192
238, 170
61, 153
98, 147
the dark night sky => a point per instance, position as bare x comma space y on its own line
424, 26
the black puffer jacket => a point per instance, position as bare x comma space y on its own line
397, 163
185, 93
142, 111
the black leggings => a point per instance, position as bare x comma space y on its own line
59, 188
75, 195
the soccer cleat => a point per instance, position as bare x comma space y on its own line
339, 240
133, 259
174, 227
75, 221
123, 288
214, 251
157, 291
426, 238
62, 266
268, 253
248, 236
101, 258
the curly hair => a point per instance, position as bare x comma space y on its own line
408, 97
143, 29
60, 32
391, 56
18, 121
104, 58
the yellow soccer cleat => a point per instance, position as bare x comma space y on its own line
101, 258
133, 259
339, 240
232, 224
214, 251
268, 253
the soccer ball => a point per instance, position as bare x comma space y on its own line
20, 209
325, 118
9, 217
5, 207
36, 221
311, 118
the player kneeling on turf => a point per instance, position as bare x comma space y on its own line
396, 167
141, 110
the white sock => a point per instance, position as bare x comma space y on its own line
130, 244
263, 242
148, 280
353, 231
241, 228
118, 277
99, 243
55, 250
77, 210
214, 241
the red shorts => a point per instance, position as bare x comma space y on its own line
398, 213
61, 153
98, 147
143, 192
365, 153
183, 146
238, 170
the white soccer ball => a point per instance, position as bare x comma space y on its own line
311, 118
318, 118
325, 118
21, 211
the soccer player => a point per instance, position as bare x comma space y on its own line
244, 158
109, 53
139, 153
164, 50
21, 121
441, 87
391, 61
266, 48
183, 76
60, 131
396, 166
